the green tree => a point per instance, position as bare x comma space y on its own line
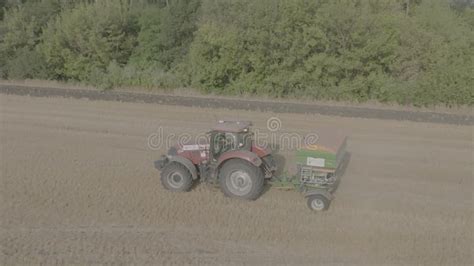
166, 33
413, 52
286, 48
23, 25
88, 38
354, 50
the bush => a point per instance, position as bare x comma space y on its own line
132, 76
293, 48
412, 52
26, 64
89, 37
166, 34
343, 50
21, 32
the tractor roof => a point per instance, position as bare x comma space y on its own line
232, 126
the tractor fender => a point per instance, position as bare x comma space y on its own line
244, 155
186, 162
323, 192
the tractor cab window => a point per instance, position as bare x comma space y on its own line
222, 142
245, 141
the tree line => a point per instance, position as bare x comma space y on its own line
418, 52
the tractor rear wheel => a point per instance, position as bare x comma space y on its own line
240, 179
176, 177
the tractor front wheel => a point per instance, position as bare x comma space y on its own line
240, 179
176, 177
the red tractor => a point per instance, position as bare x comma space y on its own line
230, 158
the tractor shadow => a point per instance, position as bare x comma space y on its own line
341, 172
280, 161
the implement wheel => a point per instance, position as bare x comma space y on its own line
318, 202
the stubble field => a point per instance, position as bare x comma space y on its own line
78, 187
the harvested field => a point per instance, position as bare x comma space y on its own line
78, 187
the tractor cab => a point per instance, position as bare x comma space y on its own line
229, 136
